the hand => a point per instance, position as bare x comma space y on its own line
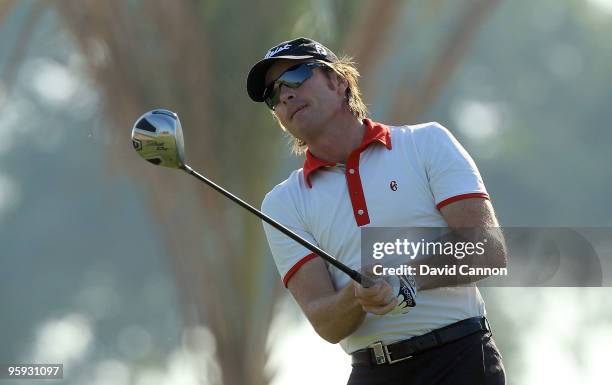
379, 299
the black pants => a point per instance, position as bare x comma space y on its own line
471, 360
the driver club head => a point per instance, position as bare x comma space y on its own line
157, 137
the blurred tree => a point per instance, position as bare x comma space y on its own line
158, 53
9, 74
412, 102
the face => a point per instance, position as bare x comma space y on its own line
304, 111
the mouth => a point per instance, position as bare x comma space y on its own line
297, 110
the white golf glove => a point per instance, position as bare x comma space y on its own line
406, 289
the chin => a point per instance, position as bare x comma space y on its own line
308, 118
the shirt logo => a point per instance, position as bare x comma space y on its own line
275, 50
393, 185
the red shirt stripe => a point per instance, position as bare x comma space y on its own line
460, 197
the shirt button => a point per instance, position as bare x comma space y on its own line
351, 171
360, 212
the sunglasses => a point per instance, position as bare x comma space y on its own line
292, 78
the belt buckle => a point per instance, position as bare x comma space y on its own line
382, 354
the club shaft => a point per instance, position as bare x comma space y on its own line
355, 275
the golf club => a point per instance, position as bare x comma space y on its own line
157, 137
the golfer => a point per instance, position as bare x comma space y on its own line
360, 173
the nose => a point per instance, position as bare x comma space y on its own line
286, 94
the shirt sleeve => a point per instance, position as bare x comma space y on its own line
451, 171
288, 255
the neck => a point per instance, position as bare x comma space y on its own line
341, 136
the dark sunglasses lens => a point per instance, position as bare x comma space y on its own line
295, 76
292, 78
273, 96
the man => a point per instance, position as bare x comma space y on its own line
359, 173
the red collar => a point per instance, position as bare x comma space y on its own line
375, 132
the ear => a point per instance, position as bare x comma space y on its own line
343, 84
338, 83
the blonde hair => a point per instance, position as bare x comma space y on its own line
346, 69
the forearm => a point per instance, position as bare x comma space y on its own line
336, 316
494, 256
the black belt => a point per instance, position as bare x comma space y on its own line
378, 353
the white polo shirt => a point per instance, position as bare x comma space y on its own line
398, 177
